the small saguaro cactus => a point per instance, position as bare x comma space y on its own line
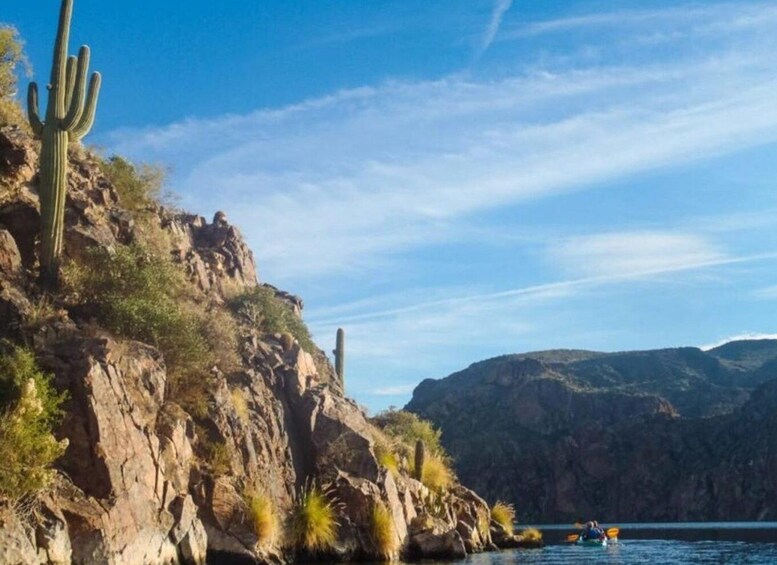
69, 117
339, 352
420, 455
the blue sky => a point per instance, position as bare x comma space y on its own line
456, 179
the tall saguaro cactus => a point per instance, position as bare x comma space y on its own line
339, 352
69, 117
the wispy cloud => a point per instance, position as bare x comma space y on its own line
766, 293
611, 254
500, 9
610, 268
395, 390
345, 184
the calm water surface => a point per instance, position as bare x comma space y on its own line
737, 543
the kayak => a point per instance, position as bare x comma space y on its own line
591, 542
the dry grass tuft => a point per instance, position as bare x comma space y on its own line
261, 512
504, 515
313, 522
382, 533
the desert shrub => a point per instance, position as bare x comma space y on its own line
313, 521
504, 515
30, 408
532, 535
138, 186
261, 512
409, 428
139, 295
11, 56
270, 314
384, 541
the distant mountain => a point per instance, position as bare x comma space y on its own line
670, 434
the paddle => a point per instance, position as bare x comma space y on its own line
612, 532
572, 538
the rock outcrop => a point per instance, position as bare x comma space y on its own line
145, 482
666, 435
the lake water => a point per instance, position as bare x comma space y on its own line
737, 543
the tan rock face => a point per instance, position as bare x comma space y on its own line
128, 455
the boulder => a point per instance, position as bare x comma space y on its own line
433, 538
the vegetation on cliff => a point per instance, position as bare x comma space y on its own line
29, 410
11, 57
400, 435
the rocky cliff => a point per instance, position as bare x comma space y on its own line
145, 481
675, 434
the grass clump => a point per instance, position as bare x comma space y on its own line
313, 521
504, 515
530, 535
384, 541
437, 475
264, 310
261, 513
30, 409
240, 404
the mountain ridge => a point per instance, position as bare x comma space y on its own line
554, 435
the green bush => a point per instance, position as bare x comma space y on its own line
30, 408
138, 186
268, 313
313, 521
139, 295
11, 56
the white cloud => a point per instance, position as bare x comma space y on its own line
622, 253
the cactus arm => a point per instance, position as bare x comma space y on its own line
32, 109
70, 79
59, 66
76, 91
87, 117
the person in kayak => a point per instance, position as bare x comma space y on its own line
592, 531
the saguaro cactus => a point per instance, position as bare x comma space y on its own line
420, 456
339, 352
69, 117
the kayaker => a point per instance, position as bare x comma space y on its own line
596, 531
